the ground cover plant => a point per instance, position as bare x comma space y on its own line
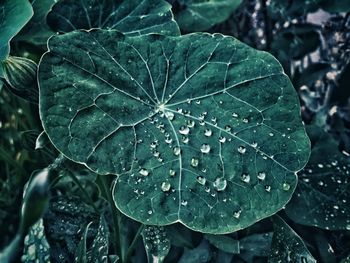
174, 131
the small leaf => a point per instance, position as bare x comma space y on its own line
256, 245
287, 246
35, 200
81, 253
131, 17
199, 15
157, 243
20, 75
224, 243
14, 14
99, 248
36, 248
197, 127
41, 141
322, 195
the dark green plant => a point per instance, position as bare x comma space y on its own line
152, 145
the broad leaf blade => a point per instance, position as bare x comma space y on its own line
224, 243
14, 14
287, 246
181, 120
132, 17
321, 198
199, 15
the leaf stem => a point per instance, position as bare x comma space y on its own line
115, 216
133, 243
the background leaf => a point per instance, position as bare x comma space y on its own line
132, 17
14, 14
287, 246
199, 15
322, 195
157, 243
183, 125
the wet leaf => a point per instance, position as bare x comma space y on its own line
14, 14
322, 197
36, 248
181, 120
255, 245
157, 243
335, 6
287, 246
224, 243
81, 253
132, 17
199, 15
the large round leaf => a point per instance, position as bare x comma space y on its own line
200, 129
132, 17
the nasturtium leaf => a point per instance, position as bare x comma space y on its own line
132, 17
287, 246
199, 128
322, 196
156, 242
14, 14
199, 15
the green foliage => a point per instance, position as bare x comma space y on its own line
157, 243
321, 197
14, 14
287, 246
165, 131
132, 17
159, 134
200, 15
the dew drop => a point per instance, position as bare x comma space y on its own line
150, 212
172, 172
165, 186
234, 115
156, 153
241, 149
176, 150
205, 148
154, 144
184, 130
245, 178
254, 144
267, 188
286, 186
201, 180
222, 139
184, 202
261, 175
190, 123
144, 172
245, 120
208, 132
168, 140
185, 139
170, 115
228, 128
194, 162
237, 214
271, 134
320, 165
220, 184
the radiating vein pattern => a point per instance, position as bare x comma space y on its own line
132, 17
200, 129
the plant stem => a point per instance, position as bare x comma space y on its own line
115, 216
133, 243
